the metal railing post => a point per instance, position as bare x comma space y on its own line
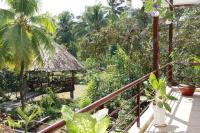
155, 46
138, 105
170, 49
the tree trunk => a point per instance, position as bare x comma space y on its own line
22, 83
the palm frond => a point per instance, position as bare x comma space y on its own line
25, 7
19, 44
22, 114
42, 38
5, 16
45, 22
3, 29
37, 49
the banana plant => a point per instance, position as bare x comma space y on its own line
85, 122
156, 91
12, 123
25, 118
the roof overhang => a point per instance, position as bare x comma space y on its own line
180, 3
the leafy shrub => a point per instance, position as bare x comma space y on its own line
84, 122
123, 117
8, 83
50, 102
26, 116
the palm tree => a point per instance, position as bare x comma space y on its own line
116, 7
64, 29
65, 33
23, 36
93, 19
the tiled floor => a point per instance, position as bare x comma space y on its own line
184, 118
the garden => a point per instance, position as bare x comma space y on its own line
53, 66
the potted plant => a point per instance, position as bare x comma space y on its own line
187, 82
156, 91
187, 89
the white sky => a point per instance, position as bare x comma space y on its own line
75, 6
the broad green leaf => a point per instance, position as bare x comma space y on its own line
22, 114
102, 125
45, 22
34, 114
147, 93
153, 81
159, 2
167, 106
67, 113
6, 16
84, 123
171, 97
148, 6
26, 7
160, 104
12, 122
162, 87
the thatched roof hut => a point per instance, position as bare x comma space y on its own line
61, 60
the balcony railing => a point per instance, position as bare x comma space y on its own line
137, 84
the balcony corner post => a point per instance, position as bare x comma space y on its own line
155, 45
170, 43
138, 105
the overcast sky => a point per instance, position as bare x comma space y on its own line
75, 6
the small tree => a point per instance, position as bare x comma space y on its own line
23, 36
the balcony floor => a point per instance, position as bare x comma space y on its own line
184, 118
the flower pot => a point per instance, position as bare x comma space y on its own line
159, 116
187, 90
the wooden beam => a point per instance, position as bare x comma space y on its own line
155, 45
170, 47
186, 5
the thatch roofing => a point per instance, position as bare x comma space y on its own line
60, 60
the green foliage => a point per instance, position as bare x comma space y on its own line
50, 103
84, 122
88, 94
12, 123
188, 50
125, 116
156, 8
24, 36
94, 17
26, 7
65, 33
148, 4
8, 82
23, 33
26, 116
159, 87
115, 9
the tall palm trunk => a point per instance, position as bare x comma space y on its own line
22, 83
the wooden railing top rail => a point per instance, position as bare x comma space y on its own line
102, 101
